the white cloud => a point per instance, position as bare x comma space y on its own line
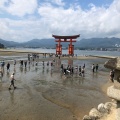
19, 7
2, 4
22, 30
96, 22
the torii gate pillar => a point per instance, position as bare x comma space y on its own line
59, 48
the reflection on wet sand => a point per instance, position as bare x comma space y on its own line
21, 69
12, 96
47, 90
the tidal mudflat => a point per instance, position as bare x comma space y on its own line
44, 93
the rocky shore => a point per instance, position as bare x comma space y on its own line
109, 110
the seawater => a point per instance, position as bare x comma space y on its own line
78, 52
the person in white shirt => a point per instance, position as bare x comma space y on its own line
12, 81
93, 68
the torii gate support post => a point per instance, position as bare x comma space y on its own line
58, 48
70, 48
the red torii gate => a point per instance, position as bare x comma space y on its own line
65, 39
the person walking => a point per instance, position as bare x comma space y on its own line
80, 69
84, 66
8, 67
43, 63
76, 69
25, 63
93, 68
112, 75
96, 67
72, 70
12, 81
1, 74
21, 63
62, 67
48, 63
83, 71
36, 64
14, 63
2, 64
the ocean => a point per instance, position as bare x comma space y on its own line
78, 52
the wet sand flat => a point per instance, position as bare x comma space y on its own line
44, 93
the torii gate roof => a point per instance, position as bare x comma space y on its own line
66, 37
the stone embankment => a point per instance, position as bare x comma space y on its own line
109, 110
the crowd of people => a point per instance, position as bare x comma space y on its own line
70, 70
66, 70
23, 64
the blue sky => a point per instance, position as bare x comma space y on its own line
23, 20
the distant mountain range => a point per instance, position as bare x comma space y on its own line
1, 45
50, 43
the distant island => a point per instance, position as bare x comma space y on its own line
111, 44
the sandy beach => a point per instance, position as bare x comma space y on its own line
44, 93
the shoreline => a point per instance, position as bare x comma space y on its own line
42, 53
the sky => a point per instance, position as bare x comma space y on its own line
24, 20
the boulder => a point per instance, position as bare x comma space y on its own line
111, 64
116, 84
118, 114
114, 93
101, 108
108, 106
86, 117
114, 101
94, 114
